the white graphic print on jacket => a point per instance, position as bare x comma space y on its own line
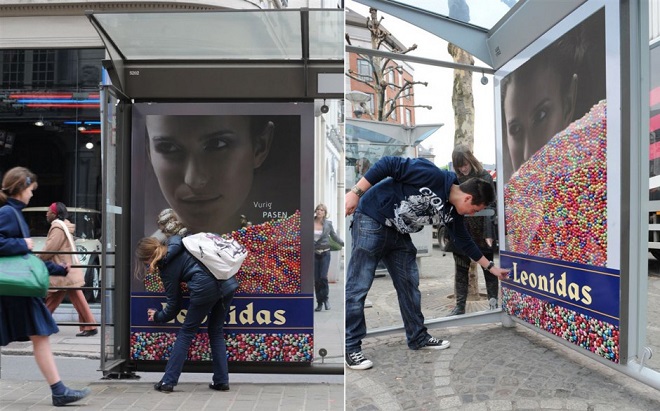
412, 213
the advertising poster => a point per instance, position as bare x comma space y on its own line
235, 170
554, 117
654, 123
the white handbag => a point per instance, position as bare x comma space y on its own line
221, 256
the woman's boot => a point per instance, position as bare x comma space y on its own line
462, 266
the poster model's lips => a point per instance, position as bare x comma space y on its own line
200, 198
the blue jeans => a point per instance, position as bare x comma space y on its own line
216, 307
321, 266
373, 242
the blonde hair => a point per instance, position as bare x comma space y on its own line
149, 249
322, 207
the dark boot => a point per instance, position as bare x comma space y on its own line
492, 289
319, 306
458, 310
326, 304
461, 267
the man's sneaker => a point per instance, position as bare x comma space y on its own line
435, 344
492, 303
356, 361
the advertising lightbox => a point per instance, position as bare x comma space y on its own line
559, 144
239, 170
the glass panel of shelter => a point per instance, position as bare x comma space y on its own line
255, 35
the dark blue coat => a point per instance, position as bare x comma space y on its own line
409, 193
179, 266
20, 317
12, 238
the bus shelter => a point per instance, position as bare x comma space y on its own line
572, 146
210, 115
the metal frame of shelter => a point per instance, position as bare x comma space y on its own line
143, 67
525, 22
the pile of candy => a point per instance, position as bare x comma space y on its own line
272, 265
556, 203
153, 283
592, 334
240, 347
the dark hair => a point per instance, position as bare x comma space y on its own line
461, 155
481, 191
15, 181
62, 213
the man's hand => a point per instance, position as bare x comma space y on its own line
500, 273
350, 202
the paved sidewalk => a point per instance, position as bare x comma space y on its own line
116, 395
78, 359
487, 367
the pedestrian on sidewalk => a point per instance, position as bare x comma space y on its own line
27, 318
208, 297
481, 229
396, 197
323, 231
60, 239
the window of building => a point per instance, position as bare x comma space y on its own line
364, 69
43, 68
408, 117
13, 68
370, 104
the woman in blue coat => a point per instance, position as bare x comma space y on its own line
208, 296
27, 318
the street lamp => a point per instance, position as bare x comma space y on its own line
358, 99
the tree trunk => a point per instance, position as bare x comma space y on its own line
463, 102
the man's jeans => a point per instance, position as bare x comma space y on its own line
372, 242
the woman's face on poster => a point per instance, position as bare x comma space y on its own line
205, 165
534, 111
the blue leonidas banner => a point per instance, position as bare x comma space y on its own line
593, 291
248, 313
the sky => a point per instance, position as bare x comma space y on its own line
438, 93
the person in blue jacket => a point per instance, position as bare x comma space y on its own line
208, 296
396, 197
27, 318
